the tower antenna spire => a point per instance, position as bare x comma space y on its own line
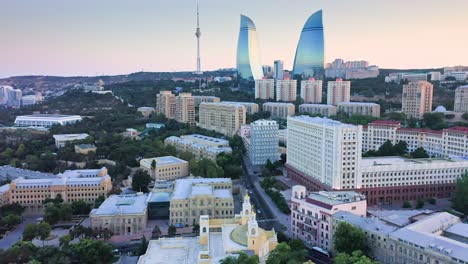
198, 35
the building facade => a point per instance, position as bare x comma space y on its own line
62, 139
165, 168
261, 141
279, 110
223, 118
205, 99
200, 146
338, 91
265, 89
311, 214
192, 198
311, 91
286, 90
461, 99
249, 66
319, 109
362, 108
124, 214
166, 104
185, 108
416, 99
46, 120
309, 59
250, 108
278, 73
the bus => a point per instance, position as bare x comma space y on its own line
321, 252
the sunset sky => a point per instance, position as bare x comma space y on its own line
94, 37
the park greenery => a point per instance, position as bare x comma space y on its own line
242, 258
271, 187
460, 196
10, 214
356, 257
292, 252
399, 149
348, 238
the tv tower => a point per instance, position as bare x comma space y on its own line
198, 35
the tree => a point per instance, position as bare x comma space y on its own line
143, 247
81, 232
80, 207
349, 238
270, 166
11, 220
196, 229
99, 201
419, 204
241, 259
20, 252
465, 116
460, 196
29, 232
172, 230
401, 147
434, 120
386, 149
43, 230
283, 253
419, 153
153, 168
92, 251
156, 232
406, 204
140, 181
65, 240
355, 257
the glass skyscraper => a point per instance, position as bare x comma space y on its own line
248, 53
309, 60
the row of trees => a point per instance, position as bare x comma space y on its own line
271, 186
399, 149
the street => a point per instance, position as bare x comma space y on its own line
16, 234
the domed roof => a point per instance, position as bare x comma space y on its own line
440, 109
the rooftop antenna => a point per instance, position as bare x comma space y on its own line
198, 35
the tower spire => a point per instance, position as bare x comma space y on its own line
198, 35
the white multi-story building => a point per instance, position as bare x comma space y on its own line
199, 145
62, 139
461, 99
262, 141
338, 91
362, 108
251, 108
165, 168
323, 151
311, 215
265, 89
286, 90
46, 120
414, 77
319, 109
423, 237
436, 76
311, 91
223, 118
124, 214
416, 99
205, 99
192, 198
10, 97
279, 110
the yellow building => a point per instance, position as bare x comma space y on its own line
218, 239
416, 99
166, 168
225, 118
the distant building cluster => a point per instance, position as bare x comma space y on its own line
351, 70
200, 146
456, 73
13, 98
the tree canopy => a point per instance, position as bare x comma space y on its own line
460, 196
349, 238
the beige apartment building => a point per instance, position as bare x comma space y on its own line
319, 109
185, 109
250, 108
311, 91
417, 99
205, 99
200, 146
362, 108
461, 99
165, 104
192, 198
223, 118
338, 91
279, 110
166, 168
286, 90
265, 89
124, 214
73, 185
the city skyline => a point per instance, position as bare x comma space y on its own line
87, 38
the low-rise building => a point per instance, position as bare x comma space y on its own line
261, 141
199, 145
4, 194
85, 149
72, 185
165, 168
311, 214
124, 214
62, 139
279, 110
461, 99
251, 108
218, 239
46, 120
318, 109
205, 99
146, 111
193, 198
362, 108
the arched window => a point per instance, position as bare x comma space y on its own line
252, 231
204, 229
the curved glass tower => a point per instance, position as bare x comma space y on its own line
309, 60
248, 53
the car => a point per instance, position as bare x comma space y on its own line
259, 212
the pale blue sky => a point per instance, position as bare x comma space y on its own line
89, 37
